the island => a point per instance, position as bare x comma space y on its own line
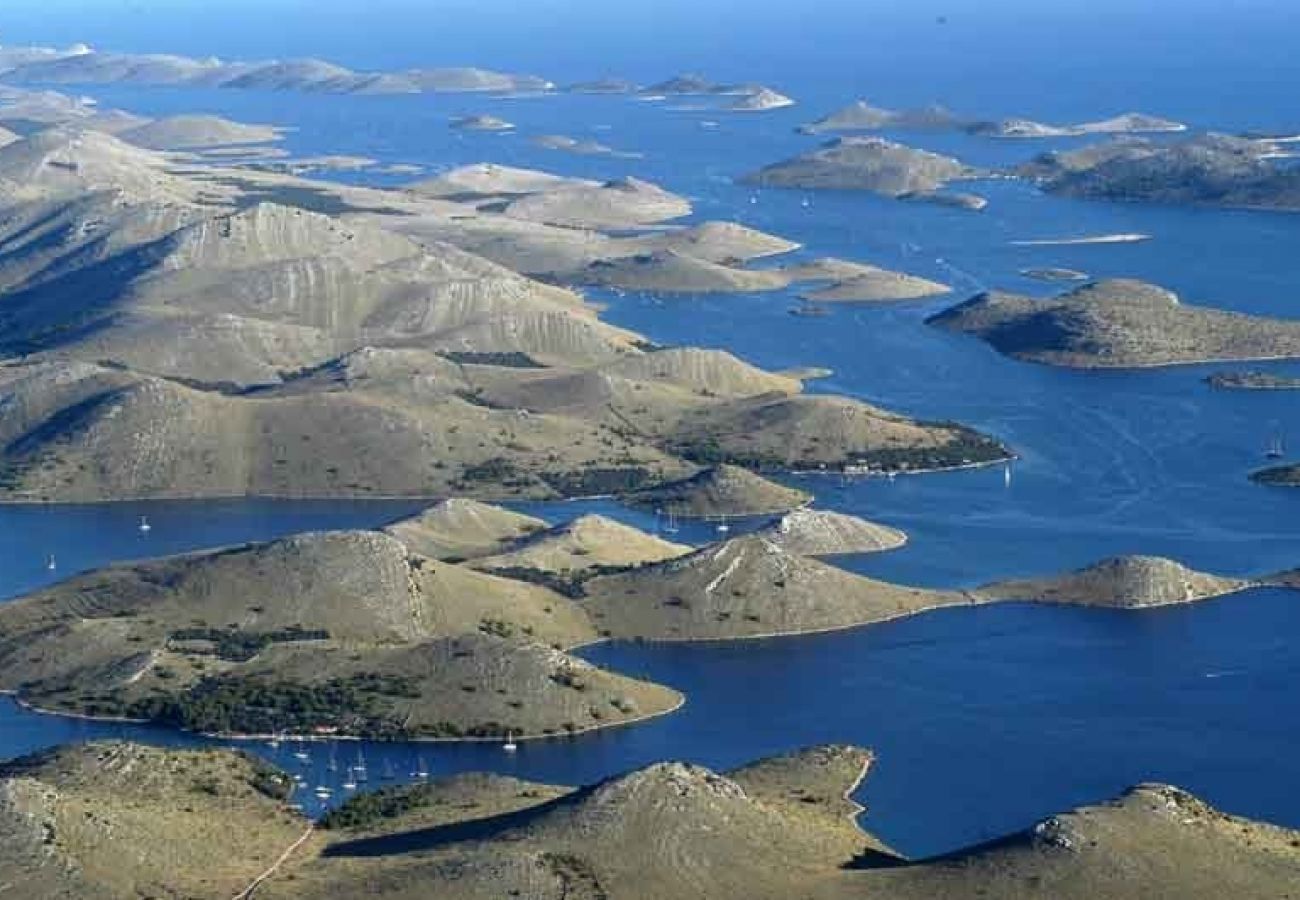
1252, 381
864, 116
109, 820
579, 146
1054, 273
1128, 123
481, 123
1124, 582
85, 65
1118, 323
1206, 170
867, 164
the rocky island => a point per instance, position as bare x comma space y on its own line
113, 820
1207, 170
1118, 324
868, 164
864, 116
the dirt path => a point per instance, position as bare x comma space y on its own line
247, 893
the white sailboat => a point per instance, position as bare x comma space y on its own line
145, 527
509, 746
50, 563
1006, 475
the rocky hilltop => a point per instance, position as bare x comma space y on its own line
114, 820
1118, 324
1207, 170
821, 532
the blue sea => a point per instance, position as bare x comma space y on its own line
984, 719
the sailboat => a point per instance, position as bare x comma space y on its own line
422, 771
351, 783
670, 527
723, 528
301, 753
359, 770
50, 563
1006, 475
1276, 448
509, 746
145, 527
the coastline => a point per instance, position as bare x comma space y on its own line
324, 738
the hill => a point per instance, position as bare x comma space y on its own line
821, 532
1118, 324
863, 116
586, 544
343, 632
198, 132
1127, 582
459, 529
150, 297
745, 587
781, 828
114, 820
721, 491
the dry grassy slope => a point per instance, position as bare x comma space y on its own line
774, 829
189, 132
580, 545
463, 529
1127, 582
456, 600
109, 820
626, 203
672, 271
1154, 843
467, 645
481, 683
118, 436
1118, 324
746, 587
721, 491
